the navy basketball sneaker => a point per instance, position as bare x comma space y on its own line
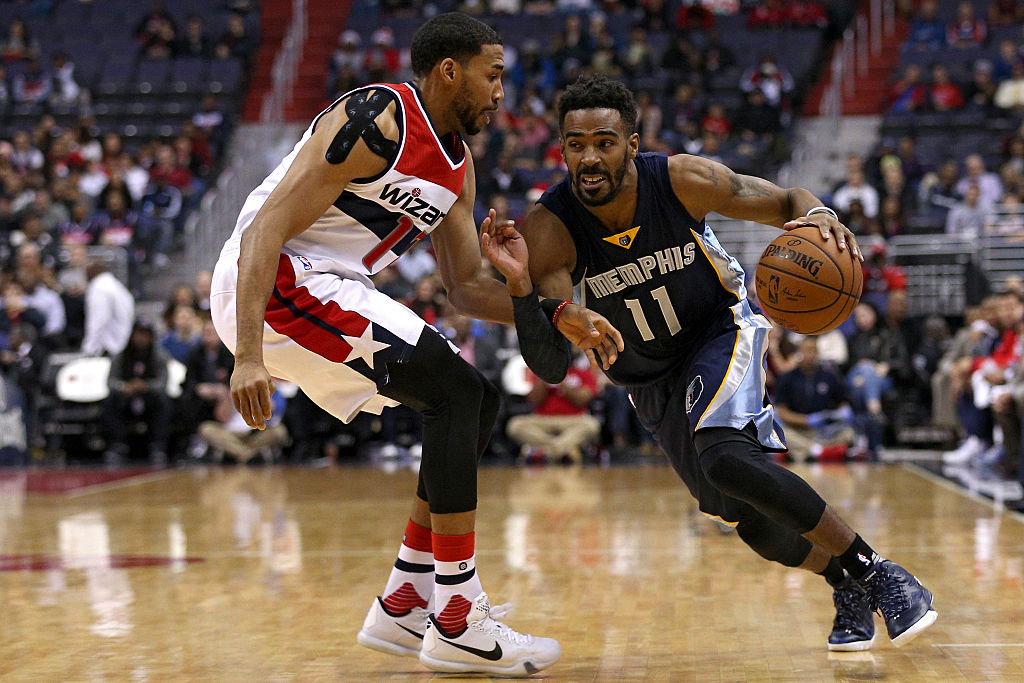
903, 602
854, 627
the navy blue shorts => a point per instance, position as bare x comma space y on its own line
723, 386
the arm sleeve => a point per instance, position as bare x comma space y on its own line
544, 348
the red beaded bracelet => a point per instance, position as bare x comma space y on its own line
558, 311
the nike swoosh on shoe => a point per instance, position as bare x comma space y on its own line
409, 630
492, 655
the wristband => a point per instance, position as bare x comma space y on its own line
558, 312
823, 209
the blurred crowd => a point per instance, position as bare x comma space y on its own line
695, 94
959, 92
67, 191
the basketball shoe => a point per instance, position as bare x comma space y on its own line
854, 627
401, 635
900, 598
487, 645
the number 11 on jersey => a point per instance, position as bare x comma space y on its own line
665, 303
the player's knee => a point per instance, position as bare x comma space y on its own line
436, 380
772, 541
724, 467
463, 386
720, 468
725, 457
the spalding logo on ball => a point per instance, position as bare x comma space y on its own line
805, 284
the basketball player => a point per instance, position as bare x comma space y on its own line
629, 228
377, 171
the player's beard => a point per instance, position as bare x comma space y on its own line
614, 181
465, 112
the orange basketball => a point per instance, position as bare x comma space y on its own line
807, 285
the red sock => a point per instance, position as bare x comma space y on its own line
412, 579
457, 581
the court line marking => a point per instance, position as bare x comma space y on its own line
120, 483
950, 486
977, 644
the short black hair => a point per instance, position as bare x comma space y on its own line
599, 92
452, 34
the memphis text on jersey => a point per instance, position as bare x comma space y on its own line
645, 268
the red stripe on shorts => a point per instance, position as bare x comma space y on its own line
312, 324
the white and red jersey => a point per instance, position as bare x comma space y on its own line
375, 220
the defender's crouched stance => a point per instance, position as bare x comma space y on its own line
375, 173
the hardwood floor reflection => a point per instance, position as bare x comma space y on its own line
266, 574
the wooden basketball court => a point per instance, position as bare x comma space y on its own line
251, 574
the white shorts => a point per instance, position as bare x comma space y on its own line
330, 333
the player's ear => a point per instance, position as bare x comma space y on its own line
448, 68
633, 144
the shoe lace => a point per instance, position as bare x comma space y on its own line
849, 602
501, 611
891, 597
496, 628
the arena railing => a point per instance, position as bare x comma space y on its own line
286, 67
860, 43
1002, 247
253, 151
938, 267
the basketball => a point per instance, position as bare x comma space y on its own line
807, 285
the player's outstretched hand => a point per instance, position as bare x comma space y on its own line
828, 226
251, 389
591, 332
505, 248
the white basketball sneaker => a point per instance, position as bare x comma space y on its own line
401, 635
487, 645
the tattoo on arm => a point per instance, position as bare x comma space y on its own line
749, 186
710, 174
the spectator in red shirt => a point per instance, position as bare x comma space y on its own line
945, 95
880, 276
18, 44
807, 13
909, 93
770, 78
561, 424
382, 61
716, 122
168, 168
695, 17
769, 14
966, 30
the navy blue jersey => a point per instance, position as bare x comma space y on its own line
666, 283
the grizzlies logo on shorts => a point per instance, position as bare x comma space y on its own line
722, 386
